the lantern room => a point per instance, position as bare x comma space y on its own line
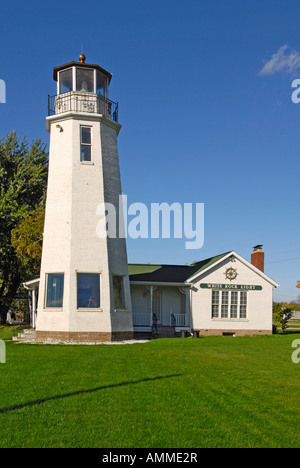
82, 87
82, 77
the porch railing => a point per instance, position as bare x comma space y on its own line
141, 320
83, 102
179, 320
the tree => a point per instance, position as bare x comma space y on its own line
23, 182
281, 315
27, 240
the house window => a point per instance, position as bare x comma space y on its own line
229, 304
243, 305
88, 290
55, 289
234, 304
224, 305
118, 292
215, 304
85, 144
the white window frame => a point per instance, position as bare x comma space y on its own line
217, 302
58, 80
86, 144
46, 291
74, 80
89, 309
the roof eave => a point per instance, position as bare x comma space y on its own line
79, 64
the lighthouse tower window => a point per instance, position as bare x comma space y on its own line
54, 290
85, 144
88, 290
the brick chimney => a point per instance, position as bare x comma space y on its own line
258, 258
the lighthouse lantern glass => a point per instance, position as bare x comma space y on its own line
101, 84
65, 81
84, 80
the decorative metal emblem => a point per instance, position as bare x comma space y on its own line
230, 273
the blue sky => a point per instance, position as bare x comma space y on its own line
200, 121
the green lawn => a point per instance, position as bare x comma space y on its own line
169, 393
6, 332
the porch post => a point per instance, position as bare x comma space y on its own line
189, 307
150, 288
151, 305
33, 307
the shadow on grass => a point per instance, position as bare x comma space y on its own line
79, 392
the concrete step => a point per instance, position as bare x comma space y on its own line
26, 336
163, 331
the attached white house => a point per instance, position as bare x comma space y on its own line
220, 295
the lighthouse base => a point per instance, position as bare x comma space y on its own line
83, 337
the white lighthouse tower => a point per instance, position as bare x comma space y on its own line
84, 290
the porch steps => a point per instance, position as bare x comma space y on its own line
164, 331
28, 335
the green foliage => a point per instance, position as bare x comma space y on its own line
23, 181
7, 332
27, 240
282, 313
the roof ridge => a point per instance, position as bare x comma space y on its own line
177, 265
159, 264
210, 258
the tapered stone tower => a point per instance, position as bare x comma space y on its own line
84, 290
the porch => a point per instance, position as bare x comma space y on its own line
144, 320
161, 309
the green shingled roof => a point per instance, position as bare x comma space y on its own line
169, 273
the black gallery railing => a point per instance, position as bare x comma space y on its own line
83, 102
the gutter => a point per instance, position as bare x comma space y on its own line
160, 283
